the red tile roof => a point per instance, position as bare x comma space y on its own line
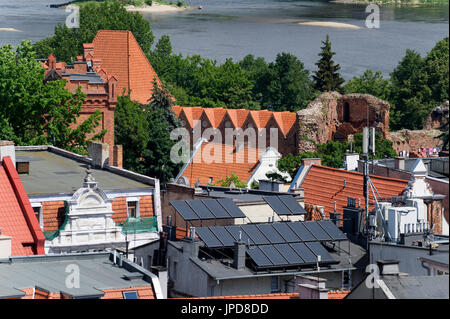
338, 294
207, 164
284, 120
292, 295
17, 218
325, 185
122, 57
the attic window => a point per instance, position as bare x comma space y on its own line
130, 295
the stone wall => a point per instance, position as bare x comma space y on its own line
333, 116
412, 141
437, 116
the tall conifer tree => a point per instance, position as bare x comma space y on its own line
327, 77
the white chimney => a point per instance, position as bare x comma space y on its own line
5, 246
351, 161
7, 149
99, 153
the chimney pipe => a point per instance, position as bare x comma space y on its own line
239, 255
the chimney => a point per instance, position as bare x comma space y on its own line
193, 244
88, 48
311, 287
5, 246
118, 155
388, 267
399, 163
96, 63
239, 255
7, 149
351, 161
51, 62
99, 153
309, 161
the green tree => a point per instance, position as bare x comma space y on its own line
233, 178
419, 85
32, 112
67, 43
285, 84
131, 130
161, 121
370, 83
327, 77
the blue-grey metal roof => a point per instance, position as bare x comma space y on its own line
441, 258
420, 287
92, 77
52, 273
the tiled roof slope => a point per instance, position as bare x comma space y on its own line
292, 295
284, 120
242, 163
325, 185
17, 218
122, 57
338, 294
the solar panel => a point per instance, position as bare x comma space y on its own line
258, 257
231, 208
304, 252
317, 231
216, 209
285, 232
234, 231
272, 235
221, 233
208, 237
289, 254
273, 255
290, 202
200, 209
277, 205
184, 210
253, 232
318, 249
301, 231
332, 230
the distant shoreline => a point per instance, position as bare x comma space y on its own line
156, 7
415, 3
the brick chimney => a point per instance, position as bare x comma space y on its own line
7, 149
88, 48
51, 61
309, 161
118, 155
96, 63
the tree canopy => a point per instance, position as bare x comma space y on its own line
32, 112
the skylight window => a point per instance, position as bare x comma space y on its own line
130, 295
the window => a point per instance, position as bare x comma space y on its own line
133, 207
130, 295
37, 208
275, 284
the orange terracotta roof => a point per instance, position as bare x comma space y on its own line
17, 218
207, 163
284, 120
144, 292
122, 57
325, 185
293, 295
338, 294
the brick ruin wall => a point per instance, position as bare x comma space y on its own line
333, 116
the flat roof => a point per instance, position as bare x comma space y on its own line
97, 272
51, 173
239, 195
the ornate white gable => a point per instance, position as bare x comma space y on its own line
417, 185
89, 224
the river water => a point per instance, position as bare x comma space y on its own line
232, 29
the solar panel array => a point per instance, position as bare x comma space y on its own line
270, 234
205, 209
275, 245
284, 205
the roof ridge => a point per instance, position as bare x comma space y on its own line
359, 173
